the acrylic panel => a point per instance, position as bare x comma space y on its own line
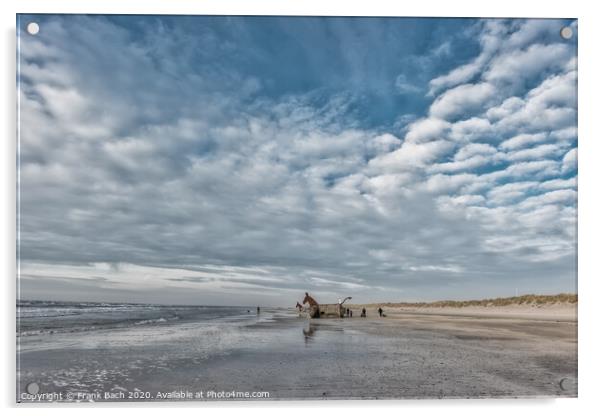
286, 207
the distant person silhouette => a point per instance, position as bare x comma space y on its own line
363, 315
380, 312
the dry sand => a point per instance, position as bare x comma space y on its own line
546, 312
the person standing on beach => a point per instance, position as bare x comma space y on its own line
363, 315
380, 312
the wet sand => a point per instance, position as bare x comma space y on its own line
407, 354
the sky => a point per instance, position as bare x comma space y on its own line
246, 160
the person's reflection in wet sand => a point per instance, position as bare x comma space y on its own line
308, 333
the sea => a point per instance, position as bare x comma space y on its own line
38, 317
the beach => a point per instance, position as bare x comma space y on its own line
412, 353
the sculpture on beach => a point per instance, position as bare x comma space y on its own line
314, 308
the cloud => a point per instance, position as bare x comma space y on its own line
389, 183
509, 192
455, 77
508, 107
198, 164
536, 153
412, 155
518, 65
549, 106
446, 183
537, 168
559, 183
552, 197
464, 164
471, 130
474, 149
405, 87
509, 53
569, 161
490, 40
462, 99
385, 143
530, 31
522, 140
426, 129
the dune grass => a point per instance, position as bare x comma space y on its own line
564, 298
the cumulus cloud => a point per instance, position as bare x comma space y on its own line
464, 164
490, 40
518, 65
549, 106
462, 99
472, 130
522, 140
509, 192
474, 149
552, 197
534, 153
158, 159
412, 155
569, 161
441, 183
427, 129
509, 53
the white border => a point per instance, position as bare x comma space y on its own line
458, 8
590, 71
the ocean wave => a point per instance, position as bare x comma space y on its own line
48, 317
157, 321
94, 327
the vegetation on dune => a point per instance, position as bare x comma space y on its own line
570, 298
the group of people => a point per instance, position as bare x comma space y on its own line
349, 313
